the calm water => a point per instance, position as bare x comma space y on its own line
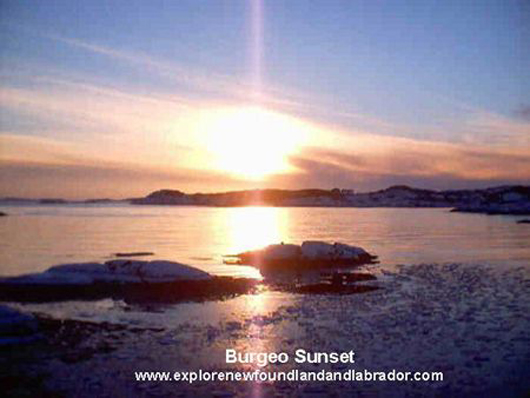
387, 328
32, 238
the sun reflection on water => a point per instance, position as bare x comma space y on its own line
251, 228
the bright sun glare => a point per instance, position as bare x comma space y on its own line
252, 142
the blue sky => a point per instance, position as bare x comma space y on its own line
437, 73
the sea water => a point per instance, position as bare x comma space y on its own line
33, 238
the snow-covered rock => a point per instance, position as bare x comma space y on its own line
310, 253
316, 250
115, 271
342, 251
162, 271
53, 277
281, 252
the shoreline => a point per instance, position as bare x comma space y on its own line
470, 321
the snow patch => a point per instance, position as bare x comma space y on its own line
114, 271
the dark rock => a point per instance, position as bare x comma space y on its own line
517, 208
16, 328
216, 288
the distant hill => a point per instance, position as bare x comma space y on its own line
58, 201
512, 199
500, 200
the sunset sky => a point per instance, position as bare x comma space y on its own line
120, 98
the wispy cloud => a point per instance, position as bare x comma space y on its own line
523, 112
227, 86
497, 130
89, 126
44, 167
371, 165
236, 88
90, 107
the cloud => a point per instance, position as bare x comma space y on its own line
191, 77
523, 112
227, 87
100, 121
46, 167
124, 140
405, 161
473, 124
498, 130
81, 181
89, 107
43, 167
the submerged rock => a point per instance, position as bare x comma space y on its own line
311, 254
16, 327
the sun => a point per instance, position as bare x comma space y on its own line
252, 142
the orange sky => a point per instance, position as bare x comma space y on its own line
86, 115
